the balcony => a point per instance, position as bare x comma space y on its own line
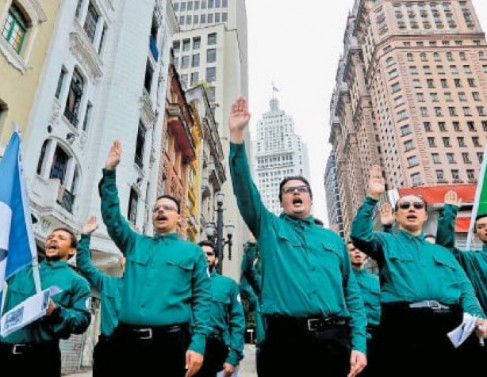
71, 116
66, 199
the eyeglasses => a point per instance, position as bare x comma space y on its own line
165, 207
210, 253
290, 189
407, 205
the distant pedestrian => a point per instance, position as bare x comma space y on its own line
105, 353
164, 314
424, 291
34, 349
314, 315
225, 343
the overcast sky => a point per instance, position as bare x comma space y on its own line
297, 45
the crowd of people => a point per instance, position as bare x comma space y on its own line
317, 309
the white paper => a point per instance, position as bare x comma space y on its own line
27, 311
462, 332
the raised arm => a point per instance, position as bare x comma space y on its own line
117, 227
83, 258
248, 198
386, 217
362, 230
445, 233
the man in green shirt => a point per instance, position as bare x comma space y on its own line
105, 355
474, 262
314, 314
424, 291
225, 343
164, 314
370, 289
34, 349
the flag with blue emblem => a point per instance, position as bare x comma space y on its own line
17, 245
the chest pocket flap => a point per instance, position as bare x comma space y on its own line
444, 262
286, 234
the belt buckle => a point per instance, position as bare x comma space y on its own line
145, 334
434, 305
313, 324
18, 349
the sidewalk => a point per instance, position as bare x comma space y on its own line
247, 366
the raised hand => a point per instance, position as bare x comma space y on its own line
90, 226
386, 214
239, 115
451, 197
114, 156
376, 182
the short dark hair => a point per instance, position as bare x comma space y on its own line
480, 216
420, 197
207, 243
72, 235
294, 178
170, 197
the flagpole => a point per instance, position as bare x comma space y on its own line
476, 203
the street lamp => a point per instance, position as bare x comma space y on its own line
216, 233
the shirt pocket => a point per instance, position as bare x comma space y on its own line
138, 259
446, 273
180, 268
330, 257
288, 237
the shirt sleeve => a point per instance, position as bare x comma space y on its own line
445, 233
236, 328
201, 288
85, 265
117, 226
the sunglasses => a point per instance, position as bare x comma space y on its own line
165, 207
407, 205
290, 189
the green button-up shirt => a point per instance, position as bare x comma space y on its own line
109, 287
473, 262
165, 279
370, 288
73, 302
306, 268
227, 315
411, 268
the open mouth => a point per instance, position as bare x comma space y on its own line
411, 217
297, 201
161, 218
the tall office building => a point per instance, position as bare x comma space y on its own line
410, 95
211, 48
278, 153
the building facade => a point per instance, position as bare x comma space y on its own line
277, 153
410, 95
211, 48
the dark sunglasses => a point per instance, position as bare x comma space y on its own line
407, 205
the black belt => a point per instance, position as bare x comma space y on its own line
24, 348
429, 304
310, 324
149, 332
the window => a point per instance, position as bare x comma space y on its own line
185, 61
440, 176
442, 126
73, 101
420, 97
434, 97
408, 145
405, 130
471, 83
427, 70
210, 18
194, 78
416, 84
450, 157
91, 22
452, 111
480, 110
424, 111
475, 141
440, 69
413, 70
458, 83
484, 125
467, 111
132, 210
446, 142
456, 126
195, 61
42, 155
396, 87
448, 97
467, 69
436, 158
453, 69
430, 83
476, 96
413, 161
86, 121
139, 146
59, 165
186, 44
210, 74
15, 28
462, 97
466, 158
176, 46
211, 55
398, 101
480, 156
410, 57
60, 82
461, 141
455, 175
196, 43
416, 179
471, 126
444, 83
149, 72
471, 175
402, 115
212, 39
427, 126
431, 142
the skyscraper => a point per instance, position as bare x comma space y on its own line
410, 95
211, 49
278, 153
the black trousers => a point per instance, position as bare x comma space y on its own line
414, 342
152, 351
105, 358
216, 353
31, 360
290, 349
472, 356
371, 369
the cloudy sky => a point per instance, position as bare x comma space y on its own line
297, 46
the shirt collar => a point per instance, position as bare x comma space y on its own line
173, 235
294, 220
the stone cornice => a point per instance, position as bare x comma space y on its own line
83, 50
